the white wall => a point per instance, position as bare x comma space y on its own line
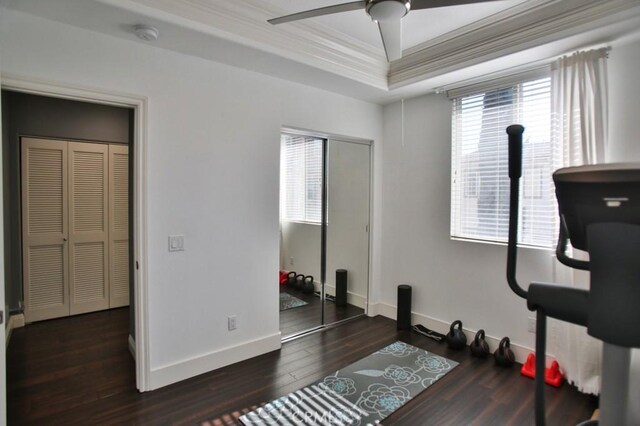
213, 170
464, 280
302, 242
450, 279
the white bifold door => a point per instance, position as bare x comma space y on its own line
74, 227
118, 226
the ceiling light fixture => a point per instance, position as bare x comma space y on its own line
388, 10
146, 32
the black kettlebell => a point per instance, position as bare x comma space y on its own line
307, 286
504, 355
291, 279
479, 347
299, 281
456, 338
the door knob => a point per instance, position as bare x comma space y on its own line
64, 239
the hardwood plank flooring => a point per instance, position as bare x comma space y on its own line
305, 317
78, 371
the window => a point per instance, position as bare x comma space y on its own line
301, 179
480, 180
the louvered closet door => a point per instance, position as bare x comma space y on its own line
119, 225
44, 229
88, 227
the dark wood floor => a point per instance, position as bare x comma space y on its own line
305, 317
78, 371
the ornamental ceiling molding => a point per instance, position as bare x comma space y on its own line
245, 22
526, 25
521, 27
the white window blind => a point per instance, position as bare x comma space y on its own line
301, 179
480, 180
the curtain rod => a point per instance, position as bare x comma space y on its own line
469, 85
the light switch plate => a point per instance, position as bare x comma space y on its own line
176, 242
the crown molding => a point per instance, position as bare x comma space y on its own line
527, 25
245, 22
523, 26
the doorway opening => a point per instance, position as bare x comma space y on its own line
324, 230
67, 206
99, 152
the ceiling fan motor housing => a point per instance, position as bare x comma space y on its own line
387, 10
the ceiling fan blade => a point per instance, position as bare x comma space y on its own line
328, 10
391, 32
430, 4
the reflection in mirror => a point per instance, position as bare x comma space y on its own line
324, 232
301, 164
347, 240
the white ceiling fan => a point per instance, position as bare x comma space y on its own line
386, 13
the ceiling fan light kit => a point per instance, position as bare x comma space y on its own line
388, 10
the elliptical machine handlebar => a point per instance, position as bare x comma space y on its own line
567, 304
561, 254
515, 132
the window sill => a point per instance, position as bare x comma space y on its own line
500, 243
302, 222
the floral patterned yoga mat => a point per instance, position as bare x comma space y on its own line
363, 393
288, 301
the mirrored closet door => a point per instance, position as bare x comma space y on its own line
324, 231
301, 194
347, 230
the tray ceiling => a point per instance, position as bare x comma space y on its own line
342, 53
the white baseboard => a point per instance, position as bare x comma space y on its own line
182, 370
18, 320
372, 309
14, 321
132, 346
352, 298
520, 351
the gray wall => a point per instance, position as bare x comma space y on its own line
31, 115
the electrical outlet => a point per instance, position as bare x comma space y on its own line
176, 242
291, 261
532, 325
231, 322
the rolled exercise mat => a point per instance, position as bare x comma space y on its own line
404, 307
341, 287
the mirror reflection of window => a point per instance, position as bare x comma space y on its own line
301, 192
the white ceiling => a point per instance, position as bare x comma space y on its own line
342, 53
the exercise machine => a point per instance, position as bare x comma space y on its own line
599, 208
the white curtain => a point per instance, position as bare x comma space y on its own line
579, 116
